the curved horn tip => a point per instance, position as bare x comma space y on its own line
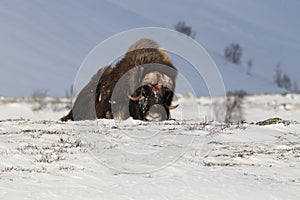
134, 98
173, 107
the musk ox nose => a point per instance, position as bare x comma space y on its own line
156, 113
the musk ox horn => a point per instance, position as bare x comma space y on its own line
134, 98
173, 107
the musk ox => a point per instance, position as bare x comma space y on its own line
140, 85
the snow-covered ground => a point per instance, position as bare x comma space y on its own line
42, 158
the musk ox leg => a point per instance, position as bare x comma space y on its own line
68, 117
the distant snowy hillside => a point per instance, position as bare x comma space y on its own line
44, 42
268, 31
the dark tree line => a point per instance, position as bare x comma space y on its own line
185, 29
233, 53
282, 80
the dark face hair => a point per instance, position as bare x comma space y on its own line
153, 103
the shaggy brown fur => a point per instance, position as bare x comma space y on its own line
106, 95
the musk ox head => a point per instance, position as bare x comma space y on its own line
151, 102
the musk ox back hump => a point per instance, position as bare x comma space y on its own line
145, 51
143, 43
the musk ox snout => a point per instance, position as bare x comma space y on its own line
157, 112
